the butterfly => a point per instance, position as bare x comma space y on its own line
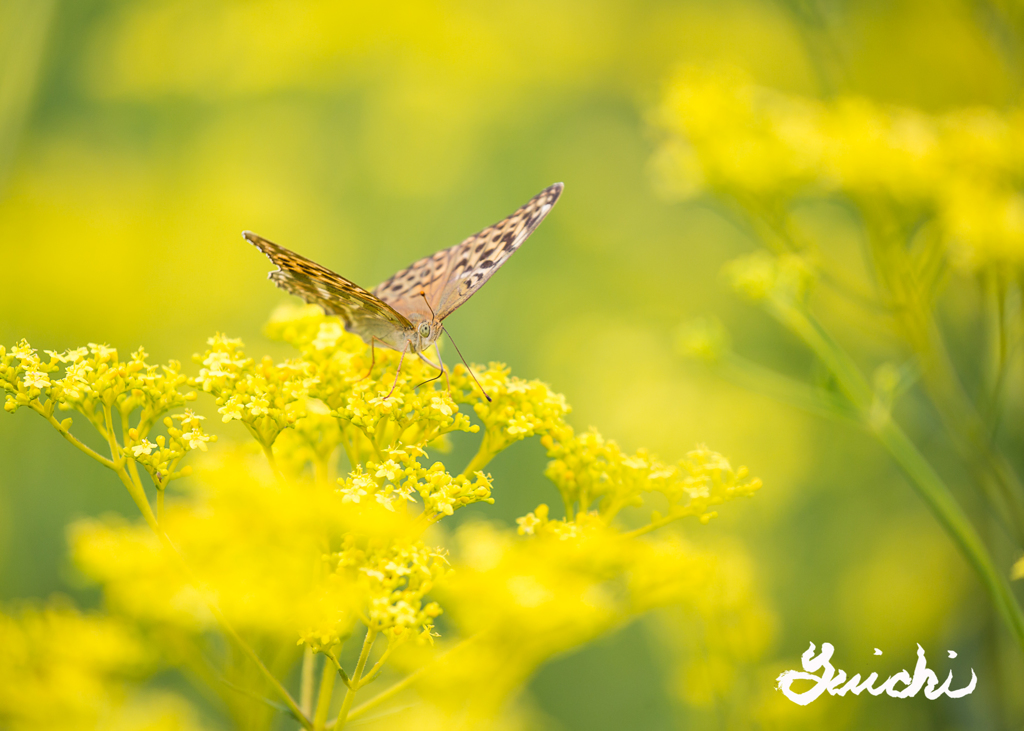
405, 312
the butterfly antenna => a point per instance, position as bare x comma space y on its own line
467, 365
427, 303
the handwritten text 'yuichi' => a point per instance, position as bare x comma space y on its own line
835, 682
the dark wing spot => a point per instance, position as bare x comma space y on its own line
486, 264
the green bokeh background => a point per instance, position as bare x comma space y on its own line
140, 138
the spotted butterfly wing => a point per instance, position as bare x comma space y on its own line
362, 312
435, 286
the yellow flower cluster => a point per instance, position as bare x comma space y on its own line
761, 275
516, 408
524, 601
395, 480
961, 169
279, 560
594, 474
330, 395
62, 669
264, 396
93, 377
108, 392
278, 551
395, 578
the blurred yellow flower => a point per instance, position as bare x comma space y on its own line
960, 169
287, 555
64, 670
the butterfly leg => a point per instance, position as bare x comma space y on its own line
447, 383
400, 361
373, 358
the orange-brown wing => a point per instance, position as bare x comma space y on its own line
422, 282
452, 276
362, 312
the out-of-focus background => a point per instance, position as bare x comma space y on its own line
138, 139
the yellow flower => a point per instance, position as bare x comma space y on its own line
144, 447
440, 405
958, 169
389, 470
36, 379
527, 523
103, 353
328, 335
195, 439
353, 494
68, 356
24, 352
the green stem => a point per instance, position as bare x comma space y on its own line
482, 458
373, 443
41, 410
963, 421
378, 666
251, 654
147, 513
381, 431
132, 467
996, 337
911, 305
268, 449
405, 682
323, 703
652, 526
135, 488
584, 499
851, 382
757, 378
346, 704
924, 479
138, 495
306, 683
341, 671
945, 508
569, 506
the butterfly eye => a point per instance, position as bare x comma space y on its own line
424, 330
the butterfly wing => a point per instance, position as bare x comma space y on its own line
410, 290
362, 312
452, 276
